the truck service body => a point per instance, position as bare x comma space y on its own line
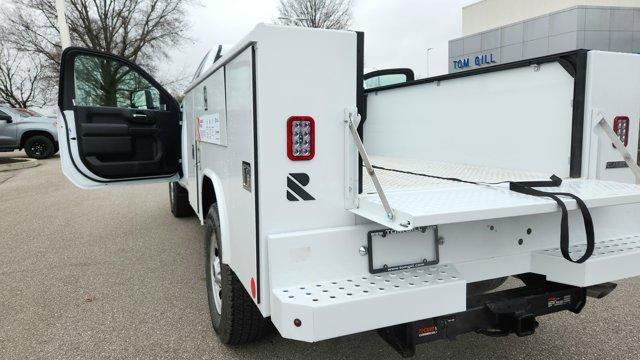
340, 210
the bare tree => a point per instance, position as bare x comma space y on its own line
138, 30
325, 14
24, 79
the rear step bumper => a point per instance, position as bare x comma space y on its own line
495, 314
613, 259
324, 310
328, 309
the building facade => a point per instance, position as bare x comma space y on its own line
610, 28
491, 14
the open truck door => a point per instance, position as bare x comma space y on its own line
118, 125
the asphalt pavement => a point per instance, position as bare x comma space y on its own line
112, 274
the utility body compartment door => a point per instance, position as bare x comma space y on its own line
118, 125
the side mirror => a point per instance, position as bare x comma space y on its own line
143, 99
6, 118
148, 98
387, 77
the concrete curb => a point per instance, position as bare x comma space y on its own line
21, 164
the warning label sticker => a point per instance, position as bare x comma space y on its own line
209, 128
427, 330
554, 300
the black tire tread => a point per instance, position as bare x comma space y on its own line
241, 321
50, 145
245, 323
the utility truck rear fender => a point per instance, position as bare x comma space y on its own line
211, 179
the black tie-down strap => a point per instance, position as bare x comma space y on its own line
527, 188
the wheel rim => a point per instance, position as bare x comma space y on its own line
38, 148
215, 272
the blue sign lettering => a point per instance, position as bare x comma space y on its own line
485, 59
461, 64
480, 60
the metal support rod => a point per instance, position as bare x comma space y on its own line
367, 164
628, 158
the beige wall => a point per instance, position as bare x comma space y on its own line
489, 14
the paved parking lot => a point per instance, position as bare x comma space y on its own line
111, 274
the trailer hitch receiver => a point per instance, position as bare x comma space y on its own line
501, 313
512, 317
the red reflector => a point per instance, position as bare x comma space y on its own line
301, 141
621, 128
253, 287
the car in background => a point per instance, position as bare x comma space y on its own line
28, 130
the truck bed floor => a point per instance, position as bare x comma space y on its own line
420, 201
397, 181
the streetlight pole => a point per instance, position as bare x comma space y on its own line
428, 52
65, 38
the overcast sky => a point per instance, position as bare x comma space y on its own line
397, 32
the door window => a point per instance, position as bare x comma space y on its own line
104, 82
5, 116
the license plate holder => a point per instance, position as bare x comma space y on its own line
402, 250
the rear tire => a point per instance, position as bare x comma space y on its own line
179, 199
234, 316
39, 147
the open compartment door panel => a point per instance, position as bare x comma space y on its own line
415, 208
118, 124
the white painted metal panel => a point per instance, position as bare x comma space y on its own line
287, 83
613, 259
216, 109
471, 202
309, 72
231, 97
304, 72
240, 202
317, 255
355, 304
391, 180
478, 250
189, 151
514, 119
611, 93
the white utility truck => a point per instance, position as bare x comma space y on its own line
330, 209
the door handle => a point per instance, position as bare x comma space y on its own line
142, 119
